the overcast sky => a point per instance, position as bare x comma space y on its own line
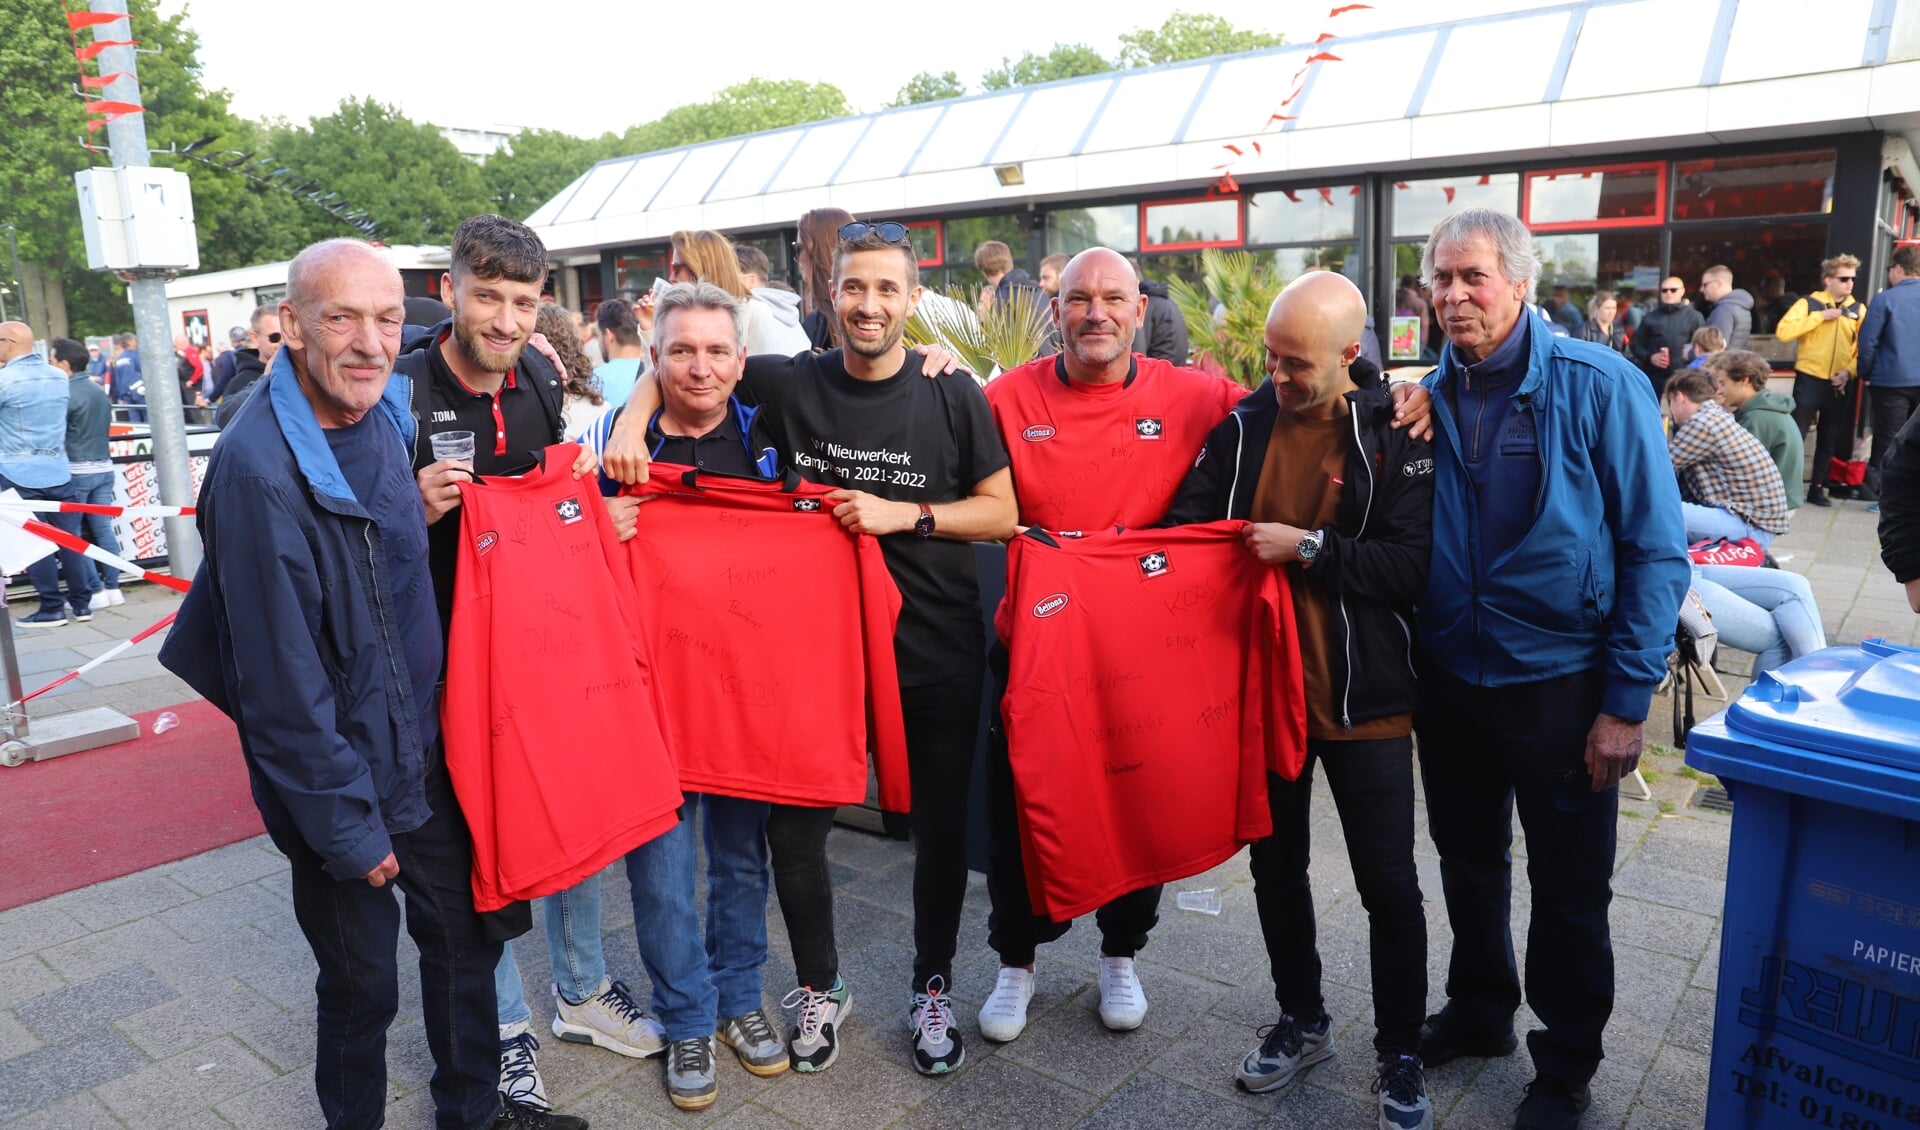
587, 66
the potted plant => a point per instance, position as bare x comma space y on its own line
1227, 317
1009, 334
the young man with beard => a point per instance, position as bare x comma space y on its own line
475, 376
921, 466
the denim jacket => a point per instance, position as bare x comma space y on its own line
290, 629
33, 423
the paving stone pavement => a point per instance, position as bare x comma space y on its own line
182, 995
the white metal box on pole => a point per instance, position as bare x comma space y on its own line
138, 218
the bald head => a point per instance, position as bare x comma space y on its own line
1313, 336
328, 258
16, 340
1098, 308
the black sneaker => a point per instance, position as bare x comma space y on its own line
1402, 1087
1817, 496
1286, 1049
1552, 1105
44, 619
1441, 1043
518, 1115
936, 1037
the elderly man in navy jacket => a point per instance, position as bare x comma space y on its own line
312, 624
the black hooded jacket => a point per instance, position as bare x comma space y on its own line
1373, 563
247, 369
1163, 332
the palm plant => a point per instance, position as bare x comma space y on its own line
1010, 334
1227, 319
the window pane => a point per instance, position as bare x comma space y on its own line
1073, 230
1573, 268
774, 246
1578, 195
1197, 221
1420, 204
1292, 262
926, 242
1178, 265
636, 270
1302, 215
1720, 188
965, 235
1756, 253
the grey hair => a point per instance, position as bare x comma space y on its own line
701, 295
1511, 240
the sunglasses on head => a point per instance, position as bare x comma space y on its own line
889, 231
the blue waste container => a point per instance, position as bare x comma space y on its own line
1817, 1020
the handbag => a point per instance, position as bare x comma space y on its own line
1727, 551
1852, 472
1695, 639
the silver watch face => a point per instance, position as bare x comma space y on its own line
1309, 546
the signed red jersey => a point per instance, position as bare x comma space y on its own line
552, 725
773, 626
1092, 457
1153, 681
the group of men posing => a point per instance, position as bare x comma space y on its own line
1508, 591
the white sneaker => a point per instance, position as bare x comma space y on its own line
1123, 1004
1004, 1016
609, 1019
519, 1075
115, 596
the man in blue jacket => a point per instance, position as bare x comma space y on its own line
1890, 353
1557, 573
312, 625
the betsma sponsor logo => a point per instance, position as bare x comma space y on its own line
1048, 605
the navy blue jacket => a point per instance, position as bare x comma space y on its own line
1598, 577
1890, 337
289, 629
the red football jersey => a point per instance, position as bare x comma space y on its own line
1092, 457
552, 725
773, 626
1154, 680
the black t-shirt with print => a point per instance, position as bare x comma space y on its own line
906, 438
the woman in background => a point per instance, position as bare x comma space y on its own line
583, 402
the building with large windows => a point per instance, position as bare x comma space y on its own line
1637, 138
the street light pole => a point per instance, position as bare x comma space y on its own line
166, 416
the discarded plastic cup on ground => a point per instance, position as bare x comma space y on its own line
166, 721
1203, 901
457, 446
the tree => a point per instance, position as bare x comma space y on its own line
1066, 60
1189, 35
929, 87
407, 174
536, 165
747, 107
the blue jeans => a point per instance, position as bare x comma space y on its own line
1713, 522
692, 986
98, 490
46, 573
1769, 612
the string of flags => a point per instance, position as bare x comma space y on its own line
100, 110
1237, 153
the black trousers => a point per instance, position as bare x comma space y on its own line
797, 843
1891, 408
1013, 929
1815, 397
943, 726
354, 930
1483, 752
1372, 784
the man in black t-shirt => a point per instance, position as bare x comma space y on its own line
921, 466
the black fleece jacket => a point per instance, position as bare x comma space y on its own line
1373, 564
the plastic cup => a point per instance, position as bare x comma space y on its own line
1203, 901
457, 446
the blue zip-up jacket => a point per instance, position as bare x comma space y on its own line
1890, 337
1599, 574
291, 631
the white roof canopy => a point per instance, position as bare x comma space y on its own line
1571, 79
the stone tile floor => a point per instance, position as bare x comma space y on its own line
182, 995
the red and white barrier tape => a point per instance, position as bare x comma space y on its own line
97, 660
37, 506
85, 548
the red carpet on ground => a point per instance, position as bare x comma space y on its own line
108, 812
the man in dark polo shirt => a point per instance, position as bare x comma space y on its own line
921, 466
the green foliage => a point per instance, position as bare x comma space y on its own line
537, 165
1066, 60
1009, 335
1243, 287
929, 87
748, 107
1189, 35
409, 176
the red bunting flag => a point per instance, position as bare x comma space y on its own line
1256, 147
78, 20
1284, 118
1236, 150
1448, 189
1324, 57
1486, 179
1326, 35
1290, 195
90, 51
1326, 194
111, 112
100, 82
1347, 8
1229, 183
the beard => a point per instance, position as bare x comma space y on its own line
880, 347
476, 350
1097, 354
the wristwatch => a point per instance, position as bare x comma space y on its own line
1308, 547
923, 526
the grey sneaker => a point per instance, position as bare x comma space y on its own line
752, 1038
609, 1019
693, 1082
936, 1037
1402, 1087
520, 1080
815, 1041
1286, 1050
